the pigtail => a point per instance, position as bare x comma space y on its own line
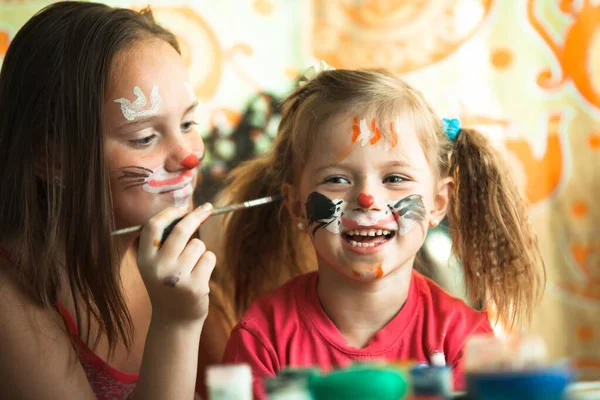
262, 246
491, 233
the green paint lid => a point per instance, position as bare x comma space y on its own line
360, 383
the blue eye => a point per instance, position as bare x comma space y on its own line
394, 179
143, 142
337, 180
188, 126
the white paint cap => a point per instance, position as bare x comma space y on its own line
437, 359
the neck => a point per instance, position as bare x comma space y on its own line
360, 309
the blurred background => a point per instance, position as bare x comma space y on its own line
525, 72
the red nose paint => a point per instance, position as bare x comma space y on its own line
365, 200
190, 162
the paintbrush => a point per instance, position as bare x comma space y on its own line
217, 211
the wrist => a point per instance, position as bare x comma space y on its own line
165, 325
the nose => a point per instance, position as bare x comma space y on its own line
183, 157
365, 200
190, 162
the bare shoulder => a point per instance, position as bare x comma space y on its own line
37, 359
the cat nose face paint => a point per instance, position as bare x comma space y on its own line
365, 200
399, 217
190, 162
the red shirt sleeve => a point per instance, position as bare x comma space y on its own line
244, 347
458, 368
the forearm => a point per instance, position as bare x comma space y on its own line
169, 363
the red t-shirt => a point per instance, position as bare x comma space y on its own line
288, 327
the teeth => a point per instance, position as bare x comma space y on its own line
379, 232
363, 244
385, 232
364, 232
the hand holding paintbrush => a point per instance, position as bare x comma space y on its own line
217, 211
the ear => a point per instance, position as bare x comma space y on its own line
441, 201
293, 202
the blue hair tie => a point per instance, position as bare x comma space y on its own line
451, 128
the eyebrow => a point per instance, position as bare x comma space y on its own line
388, 164
144, 120
394, 163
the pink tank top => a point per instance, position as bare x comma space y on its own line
107, 382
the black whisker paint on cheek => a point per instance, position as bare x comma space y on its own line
134, 172
132, 181
137, 167
320, 210
129, 175
139, 183
411, 207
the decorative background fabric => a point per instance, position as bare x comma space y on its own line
526, 72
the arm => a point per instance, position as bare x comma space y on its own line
176, 275
244, 347
214, 337
169, 361
37, 359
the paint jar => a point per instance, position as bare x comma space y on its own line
583, 391
229, 382
513, 367
361, 382
548, 383
431, 382
291, 383
516, 352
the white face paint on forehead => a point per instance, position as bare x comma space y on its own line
137, 108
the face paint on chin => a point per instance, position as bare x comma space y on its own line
324, 212
369, 275
409, 212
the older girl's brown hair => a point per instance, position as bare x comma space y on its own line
491, 236
55, 200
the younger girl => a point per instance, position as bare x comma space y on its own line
96, 134
368, 167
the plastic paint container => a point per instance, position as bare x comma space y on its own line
583, 391
229, 382
363, 382
431, 382
291, 384
538, 384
